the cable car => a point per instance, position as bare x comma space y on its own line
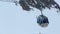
42, 21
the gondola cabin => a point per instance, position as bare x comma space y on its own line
42, 21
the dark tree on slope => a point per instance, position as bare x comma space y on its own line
39, 4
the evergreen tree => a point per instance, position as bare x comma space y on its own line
39, 4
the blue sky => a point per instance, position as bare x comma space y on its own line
15, 20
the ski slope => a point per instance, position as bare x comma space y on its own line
15, 20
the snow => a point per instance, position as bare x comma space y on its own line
15, 20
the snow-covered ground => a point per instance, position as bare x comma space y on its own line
15, 20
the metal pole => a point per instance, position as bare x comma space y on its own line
41, 13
